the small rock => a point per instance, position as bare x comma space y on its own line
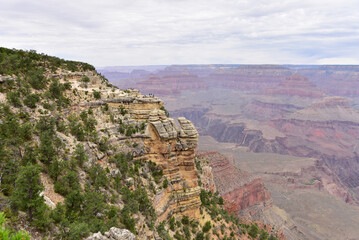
100, 155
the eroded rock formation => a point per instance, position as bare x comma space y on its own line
296, 85
172, 148
243, 194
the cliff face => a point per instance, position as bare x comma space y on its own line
244, 194
248, 77
326, 130
295, 85
335, 80
172, 148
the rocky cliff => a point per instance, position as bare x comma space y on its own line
97, 159
162, 141
296, 85
244, 194
337, 80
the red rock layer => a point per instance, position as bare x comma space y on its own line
242, 193
170, 84
339, 80
249, 76
296, 85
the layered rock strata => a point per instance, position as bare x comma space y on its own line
172, 148
296, 85
244, 194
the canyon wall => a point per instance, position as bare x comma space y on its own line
244, 194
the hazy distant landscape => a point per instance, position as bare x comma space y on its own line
179, 120
294, 126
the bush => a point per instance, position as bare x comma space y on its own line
6, 234
253, 231
26, 195
80, 155
200, 236
66, 184
185, 220
96, 94
78, 230
172, 223
207, 226
14, 98
85, 79
36, 79
98, 176
56, 89
31, 100
264, 235
165, 183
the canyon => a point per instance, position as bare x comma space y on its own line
293, 127
98, 162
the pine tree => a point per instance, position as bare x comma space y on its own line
26, 194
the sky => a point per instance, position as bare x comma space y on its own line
163, 32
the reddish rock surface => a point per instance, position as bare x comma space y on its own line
170, 83
266, 110
249, 76
296, 85
337, 80
243, 194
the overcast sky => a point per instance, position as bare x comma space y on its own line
151, 32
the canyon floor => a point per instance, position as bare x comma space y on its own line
301, 209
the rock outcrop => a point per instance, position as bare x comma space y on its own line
113, 234
172, 148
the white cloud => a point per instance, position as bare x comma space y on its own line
344, 61
138, 32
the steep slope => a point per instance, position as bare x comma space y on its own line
78, 155
297, 185
244, 194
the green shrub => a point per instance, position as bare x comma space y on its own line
165, 183
85, 79
207, 226
96, 94
78, 230
31, 100
98, 176
36, 79
14, 98
263, 235
185, 220
7, 234
26, 195
80, 155
66, 184
253, 231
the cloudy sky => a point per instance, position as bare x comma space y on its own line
151, 32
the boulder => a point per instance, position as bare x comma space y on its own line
113, 234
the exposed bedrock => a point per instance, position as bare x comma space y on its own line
334, 142
243, 194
